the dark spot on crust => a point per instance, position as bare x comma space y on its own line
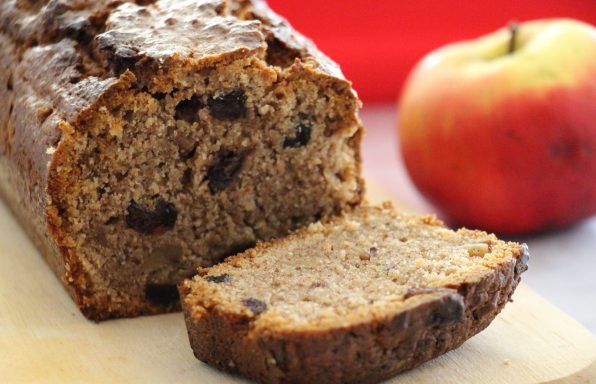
301, 136
230, 106
162, 294
9, 83
450, 309
225, 278
372, 251
256, 306
188, 110
151, 221
224, 168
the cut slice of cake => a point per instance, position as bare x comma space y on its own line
352, 299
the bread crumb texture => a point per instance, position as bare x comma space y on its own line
140, 140
350, 299
344, 271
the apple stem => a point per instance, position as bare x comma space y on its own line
513, 29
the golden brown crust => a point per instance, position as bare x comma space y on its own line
432, 322
279, 31
366, 353
62, 60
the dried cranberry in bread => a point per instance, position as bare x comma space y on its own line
140, 140
354, 299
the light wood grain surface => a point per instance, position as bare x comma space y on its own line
44, 339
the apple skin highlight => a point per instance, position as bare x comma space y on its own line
503, 154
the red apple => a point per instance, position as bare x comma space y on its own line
500, 132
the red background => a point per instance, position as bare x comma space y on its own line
377, 42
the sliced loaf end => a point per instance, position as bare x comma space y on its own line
351, 299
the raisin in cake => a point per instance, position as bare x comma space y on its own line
142, 139
354, 299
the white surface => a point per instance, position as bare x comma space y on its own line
562, 263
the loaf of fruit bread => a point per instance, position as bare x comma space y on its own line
141, 140
352, 299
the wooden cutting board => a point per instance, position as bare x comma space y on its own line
44, 339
